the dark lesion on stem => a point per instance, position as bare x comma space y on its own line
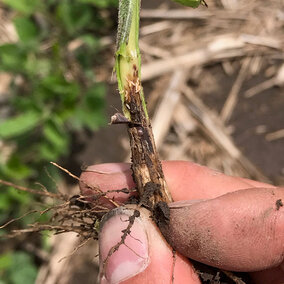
146, 166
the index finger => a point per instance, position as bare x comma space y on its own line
186, 180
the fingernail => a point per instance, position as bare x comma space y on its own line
109, 168
103, 280
131, 257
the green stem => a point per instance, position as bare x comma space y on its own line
128, 53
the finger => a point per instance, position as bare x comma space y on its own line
110, 176
144, 256
191, 181
273, 275
239, 231
186, 180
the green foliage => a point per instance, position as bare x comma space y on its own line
53, 92
191, 3
101, 3
53, 95
17, 268
26, 29
19, 124
23, 6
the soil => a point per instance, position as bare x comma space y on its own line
264, 110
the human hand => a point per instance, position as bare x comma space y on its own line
227, 222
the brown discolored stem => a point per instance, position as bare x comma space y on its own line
146, 166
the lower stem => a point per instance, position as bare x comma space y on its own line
146, 166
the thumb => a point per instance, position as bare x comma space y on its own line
238, 231
132, 250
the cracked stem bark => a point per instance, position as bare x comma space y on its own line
146, 166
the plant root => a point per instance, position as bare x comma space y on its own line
125, 233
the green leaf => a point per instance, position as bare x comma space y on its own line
91, 111
22, 270
5, 204
15, 169
46, 151
19, 196
191, 3
26, 29
58, 87
24, 6
58, 139
36, 66
12, 58
50, 171
19, 125
45, 241
101, 3
74, 17
5, 261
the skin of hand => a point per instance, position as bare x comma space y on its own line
227, 222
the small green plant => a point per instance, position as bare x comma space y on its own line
16, 268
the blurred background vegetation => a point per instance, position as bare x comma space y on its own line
52, 95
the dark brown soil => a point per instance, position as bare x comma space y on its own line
264, 109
